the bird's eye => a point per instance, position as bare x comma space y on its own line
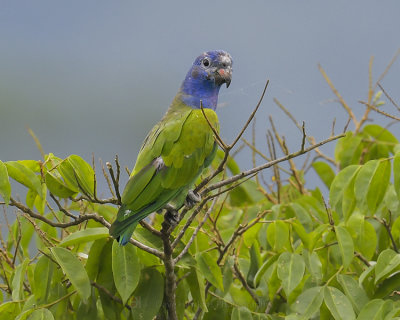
206, 62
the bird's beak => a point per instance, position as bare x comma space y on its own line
223, 75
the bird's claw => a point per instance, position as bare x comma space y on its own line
171, 216
192, 198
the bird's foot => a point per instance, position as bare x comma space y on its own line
191, 199
171, 216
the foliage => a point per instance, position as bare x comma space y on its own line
247, 251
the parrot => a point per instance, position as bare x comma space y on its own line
178, 148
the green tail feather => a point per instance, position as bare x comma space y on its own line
123, 230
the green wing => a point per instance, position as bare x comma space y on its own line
172, 156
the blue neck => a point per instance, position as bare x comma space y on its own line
195, 89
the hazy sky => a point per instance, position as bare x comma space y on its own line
95, 76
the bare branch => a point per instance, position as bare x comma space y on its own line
145, 225
109, 294
389, 97
303, 140
218, 138
107, 178
268, 165
200, 225
37, 142
80, 219
244, 283
61, 208
115, 180
370, 106
370, 94
310, 139
342, 102
250, 118
387, 68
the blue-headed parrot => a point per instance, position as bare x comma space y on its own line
178, 148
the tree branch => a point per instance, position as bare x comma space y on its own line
268, 165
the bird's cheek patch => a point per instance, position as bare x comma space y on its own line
221, 72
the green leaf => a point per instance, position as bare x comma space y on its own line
264, 267
371, 184
24, 175
339, 184
105, 278
396, 173
349, 198
18, 280
375, 309
388, 286
41, 314
43, 274
338, 304
68, 174
366, 274
325, 172
382, 135
348, 149
314, 265
9, 310
210, 269
353, 291
126, 269
241, 313
255, 261
5, 186
84, 173
196, 285
346, 245
388, 262
308, 303
363, 234
40, 200
85, 235
58, 187
95, 259
227, 274
74, 270
148, 295
25, 314
290, 270
278, 236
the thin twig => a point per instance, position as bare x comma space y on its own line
250, 118
200, 225
245, 284
310, 139
114, 180
370, 106
389, 97
268, 164
362, 258
61, 208
396, 55
109, 294
80, 219
342, 102
107, 179
214, 130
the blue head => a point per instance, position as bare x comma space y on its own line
204, 79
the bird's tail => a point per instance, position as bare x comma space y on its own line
123, 230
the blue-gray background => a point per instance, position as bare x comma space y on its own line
95, 76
